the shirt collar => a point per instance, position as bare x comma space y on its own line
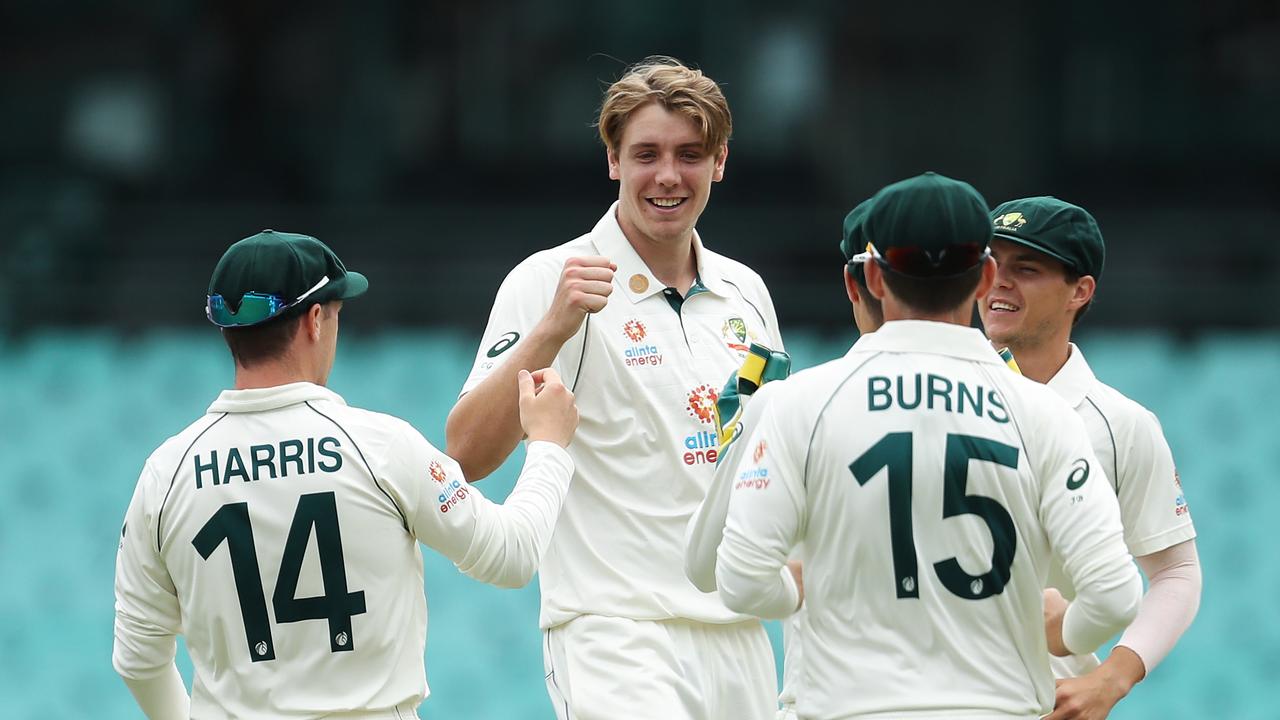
632, 271
925, 336
1074, 379
270, 398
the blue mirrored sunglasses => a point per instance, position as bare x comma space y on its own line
254, 308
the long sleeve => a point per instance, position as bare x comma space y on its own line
162, 697
706, 527
497, 544
764, 523
1081, 516
147, 615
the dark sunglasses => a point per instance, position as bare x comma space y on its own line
918, 262
254, 307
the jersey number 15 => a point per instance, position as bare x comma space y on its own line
894, 453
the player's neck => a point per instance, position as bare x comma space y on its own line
273, 373
672, 261
1042, 361
894, 310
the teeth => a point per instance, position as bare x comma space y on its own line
1003, 306
666, 202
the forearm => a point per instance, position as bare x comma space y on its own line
1105, 603
162, 697
756, 590
509, 539
484, 426
1171, 602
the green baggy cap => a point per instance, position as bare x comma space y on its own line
926, 226
1065, 232
282, 268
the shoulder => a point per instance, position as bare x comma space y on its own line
807, 392
171, 452
1126, 417
733, 271
365, 428
547, 264
1037, 405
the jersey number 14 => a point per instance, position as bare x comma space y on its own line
894, 453
315, 510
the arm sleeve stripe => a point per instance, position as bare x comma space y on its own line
1115, 454
586, 334
403, 520
172, 480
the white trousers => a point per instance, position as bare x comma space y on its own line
604, 668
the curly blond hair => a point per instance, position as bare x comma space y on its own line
675, 86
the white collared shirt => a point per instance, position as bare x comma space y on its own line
931, 488
645, 378
1130, 445
279, 533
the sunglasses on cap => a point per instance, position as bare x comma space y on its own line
254, 308
918, 262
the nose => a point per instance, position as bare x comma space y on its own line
668, 174
1004, 279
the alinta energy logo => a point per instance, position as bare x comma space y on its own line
701, 447
639, 353
452, 492
1180, 506
437, 471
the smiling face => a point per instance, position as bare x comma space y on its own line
1033, 299
664, 173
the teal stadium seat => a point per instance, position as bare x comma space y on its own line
82, 411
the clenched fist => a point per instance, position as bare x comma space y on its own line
584, 287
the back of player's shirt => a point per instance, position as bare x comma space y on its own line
298, 580
280, 534
925, 482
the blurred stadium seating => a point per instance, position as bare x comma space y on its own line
81, 411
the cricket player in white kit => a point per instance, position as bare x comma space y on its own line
706, 527
1050, 256
931, 488
644, 322
279, 532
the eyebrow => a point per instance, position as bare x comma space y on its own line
648, 145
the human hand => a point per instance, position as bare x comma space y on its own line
547, 411
1092, 695
797, 571
584, 287
1055, 607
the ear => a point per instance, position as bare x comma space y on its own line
851, 286
1083, 293
875, 279
721, 156
615, 172
311, 321
988, 279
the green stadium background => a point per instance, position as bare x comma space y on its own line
434, 145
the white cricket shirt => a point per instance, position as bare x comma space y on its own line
706, 529
1130, 446
279, 533
645, 378
931, 488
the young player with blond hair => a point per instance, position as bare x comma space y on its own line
645, 322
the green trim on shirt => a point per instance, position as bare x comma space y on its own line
676, 301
